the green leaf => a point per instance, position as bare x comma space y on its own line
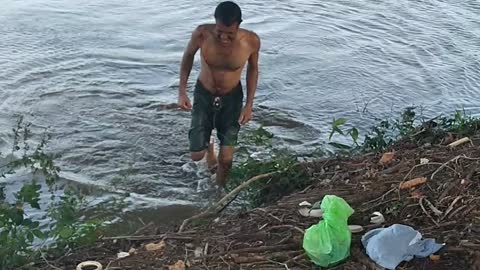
30, 236
65, 232
17, 216
30, 193
338, 130
4, 235
339, 122
354, 134
2, 192
335, 127
340, 145
39, 234
27, 222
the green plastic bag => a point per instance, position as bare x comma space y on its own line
328, 242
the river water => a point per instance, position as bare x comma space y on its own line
101, 75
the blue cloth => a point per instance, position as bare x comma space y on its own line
388, 247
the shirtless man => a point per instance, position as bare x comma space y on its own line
225, 48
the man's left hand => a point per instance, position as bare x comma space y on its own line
246, 115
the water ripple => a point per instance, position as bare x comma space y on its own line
104, 76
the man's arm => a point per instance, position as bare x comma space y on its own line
252, 78
188, 57
252, 71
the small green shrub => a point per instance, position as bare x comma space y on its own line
18, 231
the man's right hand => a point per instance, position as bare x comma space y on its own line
184, 102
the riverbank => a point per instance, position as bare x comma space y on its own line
445, 208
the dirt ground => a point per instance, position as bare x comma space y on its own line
446, 208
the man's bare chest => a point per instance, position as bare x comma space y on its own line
227, 59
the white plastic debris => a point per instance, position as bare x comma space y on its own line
388, 247
86, 264
424, 160
198, 252
122, 255
306, 212
355, 228
377, 218
305, 203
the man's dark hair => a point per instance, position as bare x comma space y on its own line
228, 13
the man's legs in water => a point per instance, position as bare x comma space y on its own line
225, 158
211, 158
210, 154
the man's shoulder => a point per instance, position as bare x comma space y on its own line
204, 28
252, 38
201, 33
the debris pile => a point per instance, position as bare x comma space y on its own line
432, 189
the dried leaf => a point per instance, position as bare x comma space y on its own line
387, 158
154, 247
435, 257
412, 183
180, 265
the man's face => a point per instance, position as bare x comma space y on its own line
226, 34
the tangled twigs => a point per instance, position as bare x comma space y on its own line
426, 213
450, 208
255, 250
214, 209
416, 166
176, 236
301, 256
452, 160
287, 226
381, 197
48, 263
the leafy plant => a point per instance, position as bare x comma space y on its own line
70, 229
462, 124
352, 132
378, 138
17, 230
382, 135
261, 192
336, 123
405, 125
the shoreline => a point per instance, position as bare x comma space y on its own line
270, 237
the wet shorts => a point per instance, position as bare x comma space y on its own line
214, 112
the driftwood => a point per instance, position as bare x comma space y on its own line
216, 208
459, 142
